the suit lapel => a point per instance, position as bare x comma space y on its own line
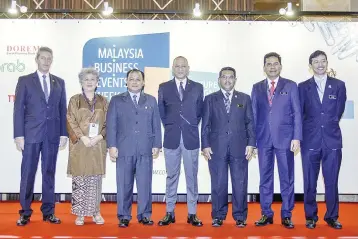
328, 90
142, 99
36, 81
280, 85
188, 87
53, 83
174, 88
234, 101
264, 92
313, 91
220, 100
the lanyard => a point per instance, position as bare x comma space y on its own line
91, 107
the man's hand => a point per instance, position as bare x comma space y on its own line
249, 152
155, 153
86, 141
20, 143
295, 145
96, 139
63, 142
113, 153
207, 152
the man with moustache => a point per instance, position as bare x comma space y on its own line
323, 101
278, 126
228, 140
39, 127
180, 102
134, 138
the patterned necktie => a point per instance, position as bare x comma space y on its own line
227, 102
45, 87
181, 90
272, 90
135, 100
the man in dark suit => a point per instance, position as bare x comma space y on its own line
228, 139
180, 104
278, 126
39, 127
323, 101
134, 138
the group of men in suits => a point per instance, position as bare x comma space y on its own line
234, 127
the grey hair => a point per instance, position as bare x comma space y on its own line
43, 48
88, 71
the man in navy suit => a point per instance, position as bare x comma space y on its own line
180, 104
228, 140
323, 101
134, 138
278, 126
39, 127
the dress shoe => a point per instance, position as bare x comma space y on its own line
264, 220
146, 221
217, 222
80, 221
167, 220
123, 223
23, 220
240, 223
310, 224
98, 219
51, 218
194, 220
286, 222
334, 223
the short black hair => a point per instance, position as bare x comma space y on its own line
272, 54
316, 54
135, 70
227, 68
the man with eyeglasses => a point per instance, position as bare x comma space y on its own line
228, 140
278, 126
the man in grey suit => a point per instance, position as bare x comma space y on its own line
180, 102
228, 140
134, 139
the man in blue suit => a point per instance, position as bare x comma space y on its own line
323, 101
180, 104
39, 127
134, 138
278, 126
228, 139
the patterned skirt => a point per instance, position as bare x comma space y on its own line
86, 195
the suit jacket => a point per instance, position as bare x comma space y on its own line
133, 131
36, 119
280, 123
321, 120
181, 117
220, 130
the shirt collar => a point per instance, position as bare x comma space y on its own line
275, 80
41, 74
320, 79
178, 82
224, 92
137, 94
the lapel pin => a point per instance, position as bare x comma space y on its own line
146, 107
329, 86
235, 96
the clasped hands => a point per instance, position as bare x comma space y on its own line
113, 153
249, 153
20, 143
89, 142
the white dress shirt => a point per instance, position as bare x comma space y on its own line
269, 82
177, 82
47, 81
321, 85
231, 93
137, 94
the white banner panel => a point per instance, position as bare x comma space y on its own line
114, 47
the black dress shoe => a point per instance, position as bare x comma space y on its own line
240, 223
286, 222
194, 220
146, 221
334, 223
217, 222
264, 220
167, 220
23, 220
310, 224
123, 223
51, 219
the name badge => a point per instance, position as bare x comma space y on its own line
332, 97
283, 93
93, 130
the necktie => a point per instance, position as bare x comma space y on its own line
181, 90
272, 90
45, 87
135, 100
227, 102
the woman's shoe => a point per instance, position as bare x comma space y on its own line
80, 221
98, 219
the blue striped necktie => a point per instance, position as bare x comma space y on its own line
45, 87
135, 100
227, 102
181, 91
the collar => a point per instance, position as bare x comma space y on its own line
275, 80
41, 74
131, 94
320, 79
224, 92
177, 81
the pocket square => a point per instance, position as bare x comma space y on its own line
240, 105
332, 97
283, 93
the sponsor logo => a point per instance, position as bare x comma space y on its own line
16, 66
21, 50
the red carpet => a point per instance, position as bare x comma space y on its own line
39, 229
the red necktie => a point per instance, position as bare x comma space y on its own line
272, 90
